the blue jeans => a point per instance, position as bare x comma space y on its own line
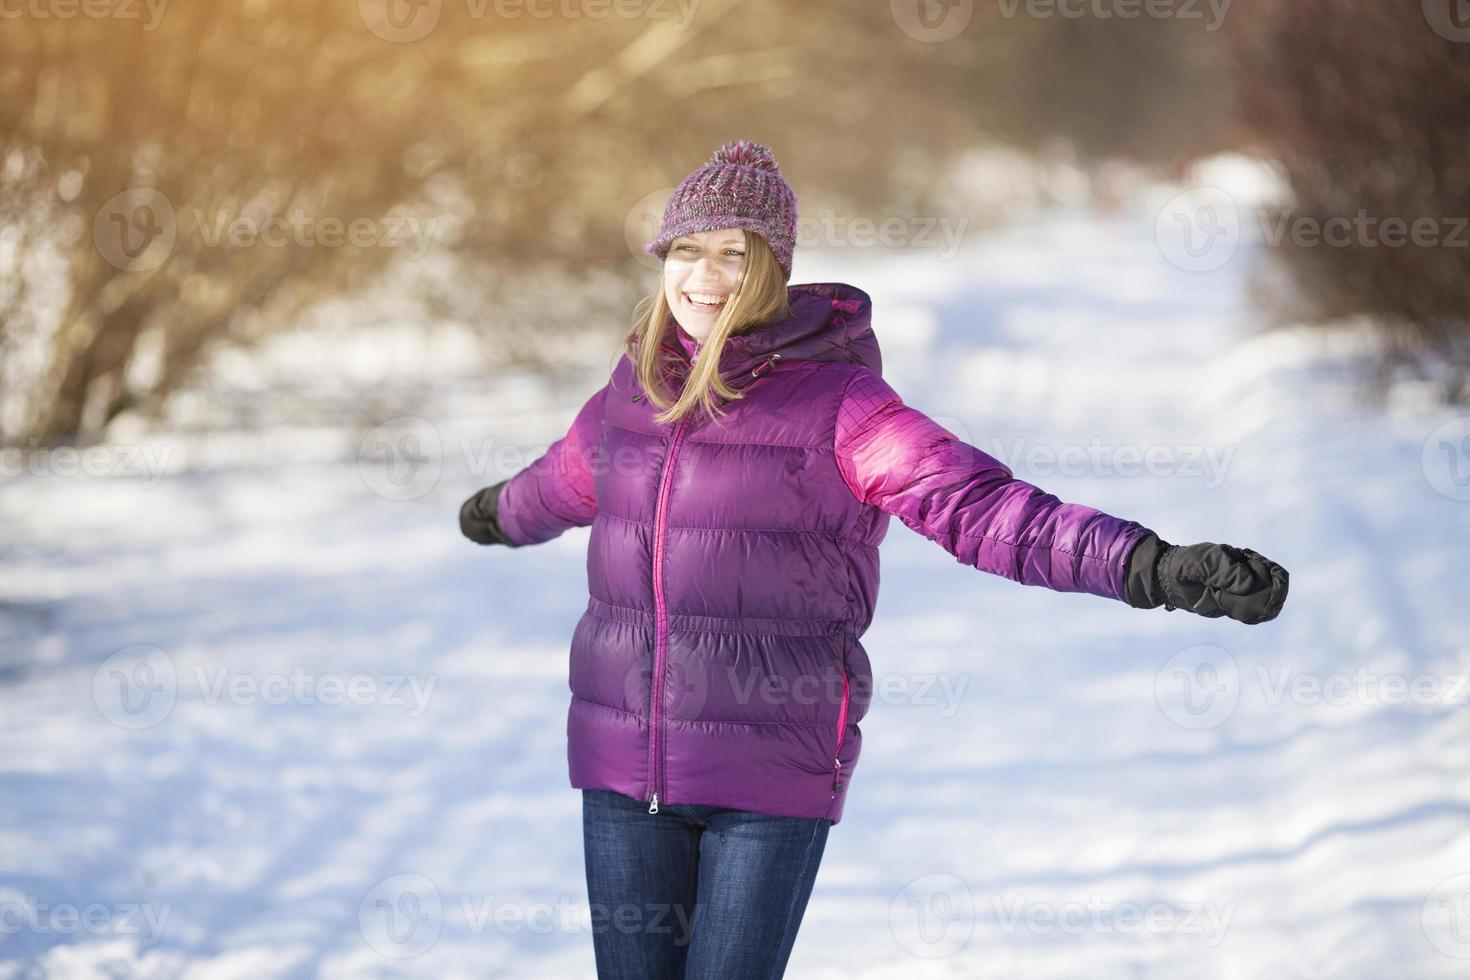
695, 892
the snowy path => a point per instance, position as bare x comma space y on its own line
1039, 796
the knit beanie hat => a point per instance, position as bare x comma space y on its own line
740, 187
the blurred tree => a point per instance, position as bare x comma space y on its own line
527, 139
1364, 105
1153, 91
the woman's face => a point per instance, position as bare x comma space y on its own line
706, 265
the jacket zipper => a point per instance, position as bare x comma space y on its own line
661, 614
841, 727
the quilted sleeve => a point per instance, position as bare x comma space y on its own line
898, 459
557, 491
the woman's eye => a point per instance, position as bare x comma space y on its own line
734, 253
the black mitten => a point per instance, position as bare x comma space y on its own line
1208, 579
479, 518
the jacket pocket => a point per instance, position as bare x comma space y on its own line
842, 709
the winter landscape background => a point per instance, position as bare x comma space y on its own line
266, 713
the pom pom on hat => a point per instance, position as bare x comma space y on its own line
745, 153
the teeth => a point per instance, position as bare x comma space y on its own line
705, 299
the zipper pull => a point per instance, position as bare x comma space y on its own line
836, 774
653, 804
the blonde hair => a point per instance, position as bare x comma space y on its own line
759, 298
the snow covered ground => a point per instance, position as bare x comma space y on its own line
266, 713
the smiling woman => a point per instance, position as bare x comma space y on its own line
699, 275
726, 242
739, 555
716, 285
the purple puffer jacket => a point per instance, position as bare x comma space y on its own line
733, 567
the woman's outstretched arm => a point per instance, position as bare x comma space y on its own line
554, 493
896, 458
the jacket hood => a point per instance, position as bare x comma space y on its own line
828, 321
